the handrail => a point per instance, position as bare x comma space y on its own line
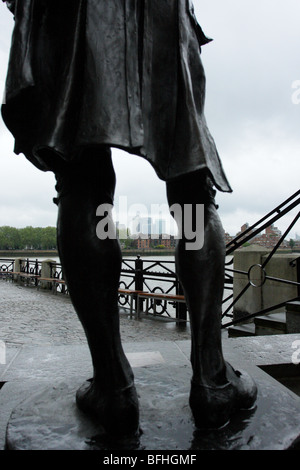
240, 239
250, 233
260, 313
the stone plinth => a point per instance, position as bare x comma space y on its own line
38, 408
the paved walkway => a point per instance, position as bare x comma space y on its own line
55, 361
32, 317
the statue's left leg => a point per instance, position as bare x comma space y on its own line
91, 261
216, 390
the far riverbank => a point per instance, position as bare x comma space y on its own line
54, 253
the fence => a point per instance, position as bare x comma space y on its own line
155, 276
140, 274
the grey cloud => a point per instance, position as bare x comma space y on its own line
250, 67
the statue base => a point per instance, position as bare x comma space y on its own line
50, 419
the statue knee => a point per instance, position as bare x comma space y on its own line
192, 205
89, 177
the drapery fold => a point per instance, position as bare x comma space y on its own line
123, 73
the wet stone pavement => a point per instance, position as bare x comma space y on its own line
35, 317
47, 349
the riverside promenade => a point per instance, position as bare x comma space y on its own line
47, 359
34, 317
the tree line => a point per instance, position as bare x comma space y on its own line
36, 238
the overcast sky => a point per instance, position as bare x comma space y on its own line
252, 110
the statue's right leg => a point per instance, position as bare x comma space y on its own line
91, 268
217, 390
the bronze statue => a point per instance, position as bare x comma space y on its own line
88, 75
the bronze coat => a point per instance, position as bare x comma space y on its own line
125, 73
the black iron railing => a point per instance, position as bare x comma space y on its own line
160, 275
31, 267
269, 219
249, 234
6, 267
154, 276
56, 272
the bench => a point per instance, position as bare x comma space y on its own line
6, 274
157, 297
133, 294
21, 276
123, 292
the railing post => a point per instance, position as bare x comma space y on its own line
36, 271
139, 278
63, 287
36, 267
46, 272
181, 310
18, 267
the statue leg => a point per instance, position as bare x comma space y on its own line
91, 268
216, 389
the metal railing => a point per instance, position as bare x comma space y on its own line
32, 267
6, 267
154, 276
160, 275
57, 273
249, 234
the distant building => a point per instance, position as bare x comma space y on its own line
244, 227
143, 241
268, 239
227, 237
168, 241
